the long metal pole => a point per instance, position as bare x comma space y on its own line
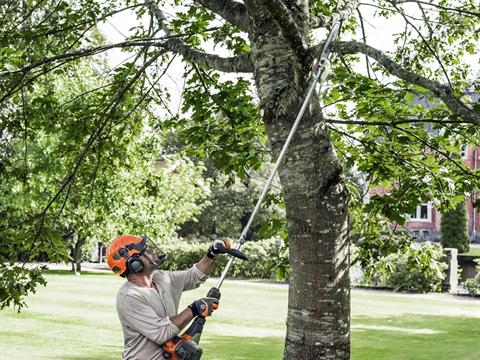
320, 71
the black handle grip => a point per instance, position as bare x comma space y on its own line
237, 253
214, 293
234, 252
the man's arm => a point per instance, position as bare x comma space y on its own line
203, 307
206, 264
182, 319
208, 261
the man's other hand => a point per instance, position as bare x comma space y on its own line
204, 307
218, 247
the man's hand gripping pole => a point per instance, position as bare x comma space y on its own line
185, 347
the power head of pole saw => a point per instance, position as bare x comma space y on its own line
179, 348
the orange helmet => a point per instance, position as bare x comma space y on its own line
122, 254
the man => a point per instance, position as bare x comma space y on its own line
147, 303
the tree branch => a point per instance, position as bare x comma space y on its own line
340, 14
426, 43
80, 53
237, 64
461, 167
364, 37
445, 8
232, 11
396, 122
445, 93
241, 63
105, 118
289, 28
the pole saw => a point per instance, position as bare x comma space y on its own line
185, 347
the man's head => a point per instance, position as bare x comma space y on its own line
129, 254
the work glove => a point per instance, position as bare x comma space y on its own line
204, 307
218, 247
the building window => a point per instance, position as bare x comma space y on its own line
422, 213
463, 152
416, 234
426, 235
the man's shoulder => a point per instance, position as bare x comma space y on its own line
162, 276
128, 291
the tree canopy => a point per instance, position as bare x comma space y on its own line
397, 115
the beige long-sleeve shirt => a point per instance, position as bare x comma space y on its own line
145, 312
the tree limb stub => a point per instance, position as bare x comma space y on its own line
232, 11
284, 19
444, 92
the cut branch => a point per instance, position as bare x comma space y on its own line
232, 11
289, 28
445, 93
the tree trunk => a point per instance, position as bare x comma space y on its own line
319, 292
76, 251
77, 255
316, 202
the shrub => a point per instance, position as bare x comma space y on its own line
418, 269
473, 285
454, 228
261, 263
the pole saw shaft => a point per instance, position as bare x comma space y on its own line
319, 74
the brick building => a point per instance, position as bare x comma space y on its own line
425, 223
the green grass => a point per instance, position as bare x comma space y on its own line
474, 251
74, 318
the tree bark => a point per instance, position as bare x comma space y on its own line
77, 255
316, 203
319, 292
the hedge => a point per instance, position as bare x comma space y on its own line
261, 263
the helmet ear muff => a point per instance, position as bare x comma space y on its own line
134, 264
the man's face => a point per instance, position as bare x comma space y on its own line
148, 257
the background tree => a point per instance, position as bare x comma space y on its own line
230, 206
375, 114
454, 233
115, 188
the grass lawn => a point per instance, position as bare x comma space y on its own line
74, 318
473, 251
